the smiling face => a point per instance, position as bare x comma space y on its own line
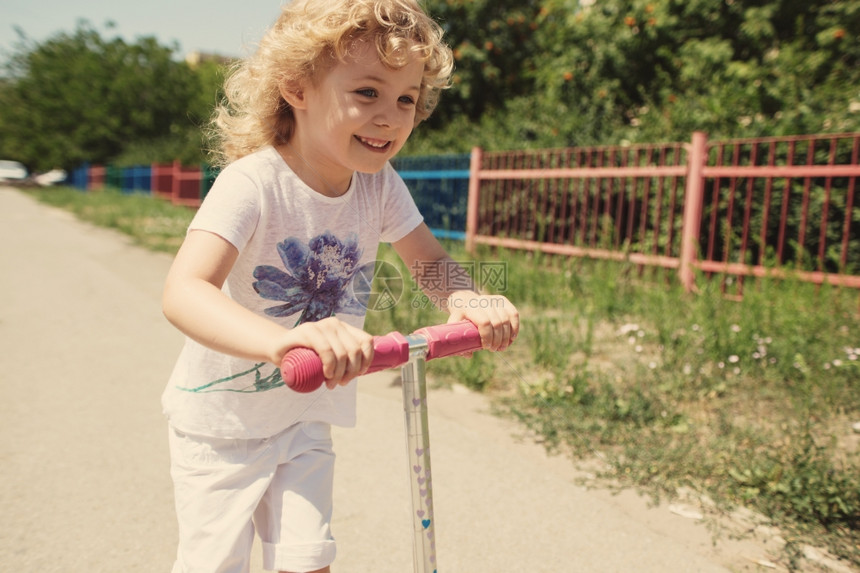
355, 117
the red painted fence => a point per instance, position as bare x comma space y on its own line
179, 184
752, 207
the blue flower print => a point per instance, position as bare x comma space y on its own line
321, 279
317, 279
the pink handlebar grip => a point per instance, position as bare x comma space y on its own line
389, 351
451, 339
302, 370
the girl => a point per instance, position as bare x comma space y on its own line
272, 261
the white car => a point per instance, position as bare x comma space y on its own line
52, 177
12, 171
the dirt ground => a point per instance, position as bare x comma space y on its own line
84, 462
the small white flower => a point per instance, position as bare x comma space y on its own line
736, 328
638, 348
733, 359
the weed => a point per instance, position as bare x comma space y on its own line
150, 222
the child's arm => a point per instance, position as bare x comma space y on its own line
194, 303
440, 278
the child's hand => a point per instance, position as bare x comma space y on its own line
495, 316
346, 352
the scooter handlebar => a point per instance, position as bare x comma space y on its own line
302, 370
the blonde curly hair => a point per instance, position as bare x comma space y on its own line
309, 37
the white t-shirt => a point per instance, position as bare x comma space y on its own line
302, 257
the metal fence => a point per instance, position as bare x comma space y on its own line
440, 186
762, 207
773, 206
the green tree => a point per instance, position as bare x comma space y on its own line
529, 73
79, 97
187, 140
493, 44
588, 72
657, 69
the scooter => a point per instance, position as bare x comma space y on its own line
301, 370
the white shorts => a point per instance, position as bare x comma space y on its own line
279, 486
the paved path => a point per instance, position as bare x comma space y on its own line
84, 463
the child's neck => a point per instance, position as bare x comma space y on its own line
311, 176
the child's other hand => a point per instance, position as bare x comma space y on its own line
346, 351
496, 317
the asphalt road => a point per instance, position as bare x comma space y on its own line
83, 444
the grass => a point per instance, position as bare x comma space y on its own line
151, 223
749, 402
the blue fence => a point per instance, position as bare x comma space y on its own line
439, 184
79, 178
136, 178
